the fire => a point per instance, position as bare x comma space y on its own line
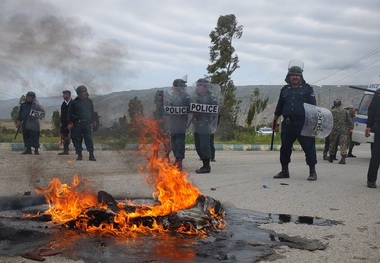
78, 203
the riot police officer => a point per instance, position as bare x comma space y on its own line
290, 106
29, 118
81, 119
204, 108
177, 101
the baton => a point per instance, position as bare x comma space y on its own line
364, 89
271, 143
17, 131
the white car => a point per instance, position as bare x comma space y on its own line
264, 131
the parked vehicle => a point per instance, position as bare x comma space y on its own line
362, 112
264, 131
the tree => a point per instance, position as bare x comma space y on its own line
56, 120
257, 106
224, 62
16, 109
135, 108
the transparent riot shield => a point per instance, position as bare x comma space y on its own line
37, 113
318, 121
204, 108
176, 108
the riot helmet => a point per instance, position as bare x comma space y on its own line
31, 94
179, 83
295, 67
201, 86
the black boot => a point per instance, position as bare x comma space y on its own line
27, 151
343, 160
350, 154
332, 157
284, 172
80, 156
312, 173
65, 150
178, 163
206, 168
91, 157
325, 158
36, 151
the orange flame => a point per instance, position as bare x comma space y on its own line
170, 187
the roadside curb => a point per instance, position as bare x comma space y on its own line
132, 147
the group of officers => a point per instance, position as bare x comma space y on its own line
197, 110
77, 120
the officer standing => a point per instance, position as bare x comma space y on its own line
204, 121
81, 119
340, 132
65, 132
352, 112
290, 106
373, 125
177, 102
29, 118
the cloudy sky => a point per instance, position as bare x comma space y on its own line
115, 45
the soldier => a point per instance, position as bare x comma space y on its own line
373, 125
29, 119
205, 118
290, 106
177, 101
340, 132
65, 132
81, 119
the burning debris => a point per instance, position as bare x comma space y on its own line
179, 205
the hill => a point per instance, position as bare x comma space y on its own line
114, 105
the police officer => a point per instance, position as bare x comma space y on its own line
177, 103
204, 124
158, 114
81, 118
340, 132
65, 132
28, 118
373, 125
290, 106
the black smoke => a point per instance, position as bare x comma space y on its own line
47, 53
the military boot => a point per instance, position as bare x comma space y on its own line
36, 151
284, 172
343, 160
332, 157
27, 151
206, 168
312, 174
325, 158
80, 156
91, 157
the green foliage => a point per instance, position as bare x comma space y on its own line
224, 62
257, 106
135, 108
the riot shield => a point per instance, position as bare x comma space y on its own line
37, 113
176, 108
204, 108
318, 121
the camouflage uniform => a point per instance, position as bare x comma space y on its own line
340, 131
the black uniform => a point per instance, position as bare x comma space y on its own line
81, 114
373, 122
30, 126
290, 106
65, 132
